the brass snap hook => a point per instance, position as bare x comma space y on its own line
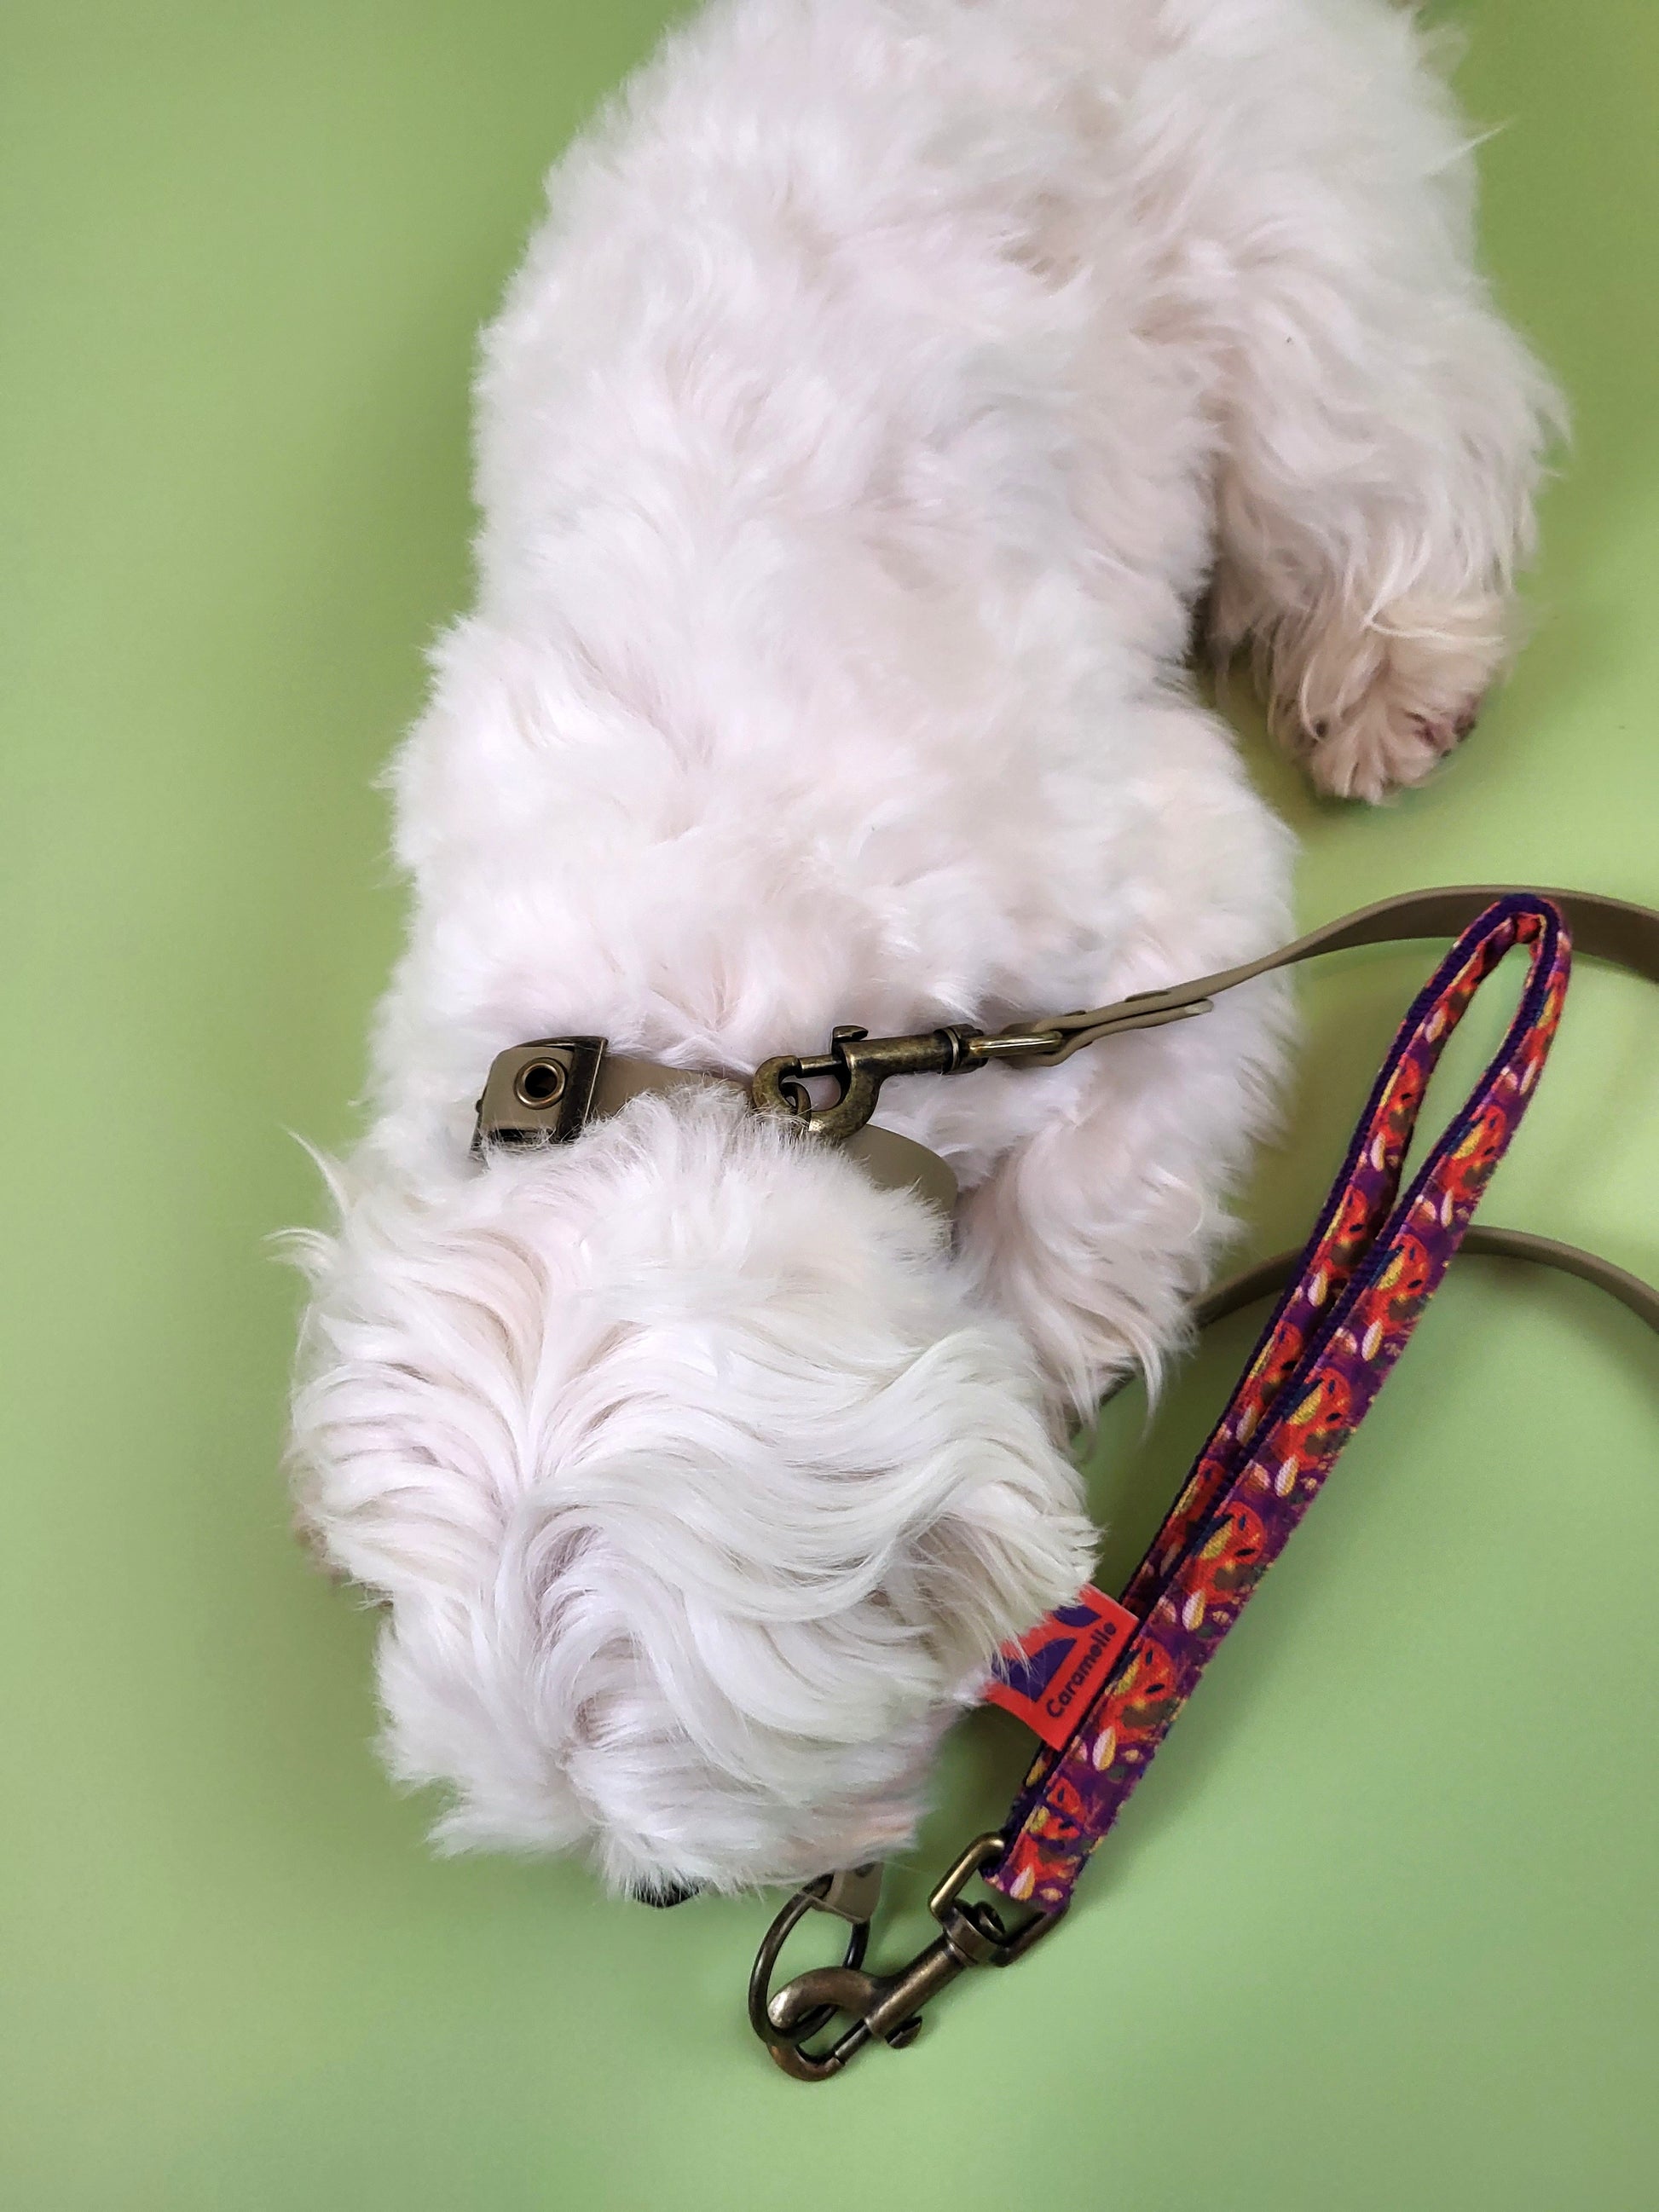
858, 1064
886, 2007
851, 1895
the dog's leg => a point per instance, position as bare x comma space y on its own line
1381, 426
1097, 1227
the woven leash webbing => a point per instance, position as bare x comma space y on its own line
1367, 1273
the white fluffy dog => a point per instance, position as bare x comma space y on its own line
890, 383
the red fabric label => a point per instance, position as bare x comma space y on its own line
1053, 1675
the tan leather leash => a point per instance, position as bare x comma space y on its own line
1617, 930
549, 1089
1611, 929
1268, 1277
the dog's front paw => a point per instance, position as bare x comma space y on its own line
1383, 748
1376, 706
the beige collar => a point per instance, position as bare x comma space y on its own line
556, 1087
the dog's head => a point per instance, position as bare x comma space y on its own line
701, 1491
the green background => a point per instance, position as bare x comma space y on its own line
1380, 1931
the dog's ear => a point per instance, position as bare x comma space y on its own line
999, 1560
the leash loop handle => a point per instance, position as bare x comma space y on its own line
1350, 1301
1374, 1261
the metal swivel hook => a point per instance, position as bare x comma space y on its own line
859, 1064
885, 2008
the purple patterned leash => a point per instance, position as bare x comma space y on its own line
1101, 1682
1368, 1271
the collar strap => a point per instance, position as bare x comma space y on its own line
551, 1089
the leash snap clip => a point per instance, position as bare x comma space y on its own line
858, 1064
883, 2007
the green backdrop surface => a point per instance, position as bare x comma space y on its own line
1380, 1931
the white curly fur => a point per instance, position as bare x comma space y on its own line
889, 383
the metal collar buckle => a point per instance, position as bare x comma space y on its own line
885, 2008
538, 1092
